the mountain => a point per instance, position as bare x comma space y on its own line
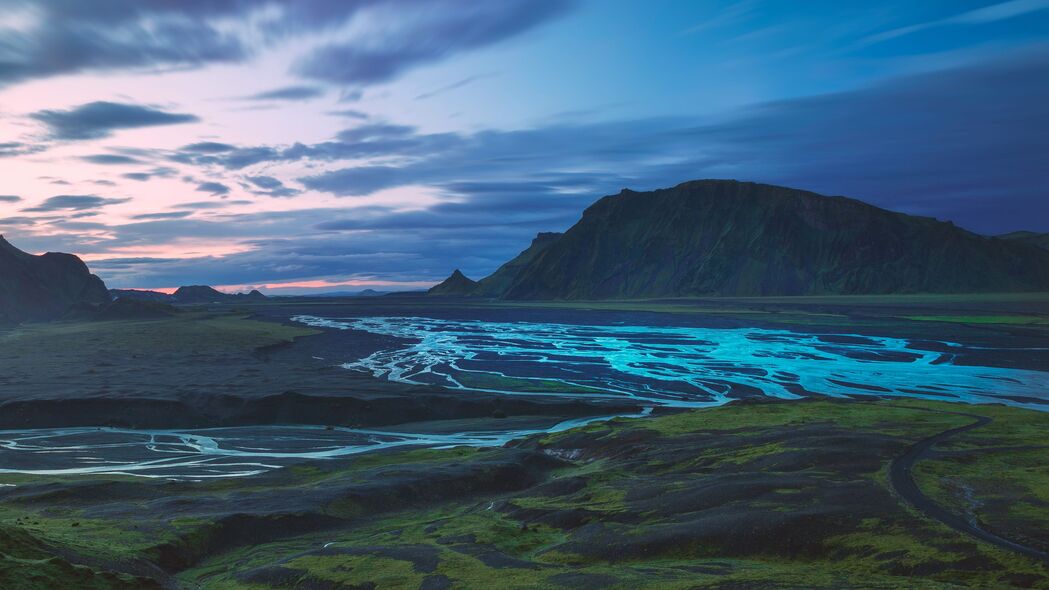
723, 237
498, 282
1028, 237
140, 295
456, 284
44, 287
206, 294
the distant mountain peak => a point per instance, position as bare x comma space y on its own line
456, 284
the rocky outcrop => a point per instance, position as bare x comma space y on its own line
44, 287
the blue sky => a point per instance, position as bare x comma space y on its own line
316, 145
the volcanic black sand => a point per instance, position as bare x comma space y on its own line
759, 493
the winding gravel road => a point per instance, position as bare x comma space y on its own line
902, 479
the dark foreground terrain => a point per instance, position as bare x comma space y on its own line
760, 494
814, 493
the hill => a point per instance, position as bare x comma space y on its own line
723, 237
455, 285
206, 294
44, 287
140, 295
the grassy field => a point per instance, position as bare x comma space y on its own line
186, 333
750, 495
192, 351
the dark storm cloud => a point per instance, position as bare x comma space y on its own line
452, 27
215, 188
109, 159
9, 199
290, 93
74, 203
99, 119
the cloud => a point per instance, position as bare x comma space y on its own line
207, 147
9, 199
357, 181
374, 132
161, 171
56, 37
365, 141
987, 14
967, 144
289, 93
210, 204
271, 187
453, 86
17, 221
448, 27
215, 188
350, 114
163, 215
100, 119
108, 159
74, 203
12, 149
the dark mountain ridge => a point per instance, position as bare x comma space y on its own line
723, 237
188, 295
44, 287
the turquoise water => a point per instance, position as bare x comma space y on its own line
222, 452
676, 366
653, 366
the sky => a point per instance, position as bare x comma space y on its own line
303, 146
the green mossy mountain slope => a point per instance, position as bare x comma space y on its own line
1028, 237
720, 237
